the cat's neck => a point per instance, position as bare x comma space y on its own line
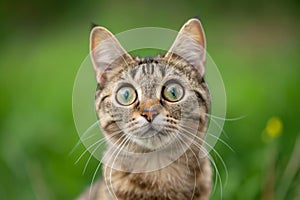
189, 173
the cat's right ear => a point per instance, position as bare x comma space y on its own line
106, 52
190, 45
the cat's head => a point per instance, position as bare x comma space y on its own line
148, 103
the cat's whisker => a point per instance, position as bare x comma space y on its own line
79, 142
94, 175
111, 136
209, 134
218, 125
82, 137
115, 144
130, 145
198, 162
226, 119
113, 126
110, 157
203, 150
98, 166
112, 166
87, 149
132, 130
89, 137
200, 147
217, 177
218, 155
189, 147
186, 158
98, 141
86, 164
222, 141
195, 156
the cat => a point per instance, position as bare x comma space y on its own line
145, 105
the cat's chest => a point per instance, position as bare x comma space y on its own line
168, 182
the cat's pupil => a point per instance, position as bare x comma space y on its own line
126, 95
173, 92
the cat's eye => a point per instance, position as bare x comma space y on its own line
126, 96
173, 92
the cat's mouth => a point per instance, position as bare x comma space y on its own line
148, 132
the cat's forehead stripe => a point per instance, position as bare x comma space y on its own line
147, 69
162, 70
133, 72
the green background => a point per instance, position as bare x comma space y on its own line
255, 44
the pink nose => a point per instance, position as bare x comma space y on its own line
149, 114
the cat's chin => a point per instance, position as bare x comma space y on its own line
154, 141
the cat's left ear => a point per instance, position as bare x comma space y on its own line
106, 53
190, 45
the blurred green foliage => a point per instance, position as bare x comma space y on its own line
255, 45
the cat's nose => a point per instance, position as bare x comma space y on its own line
149, 114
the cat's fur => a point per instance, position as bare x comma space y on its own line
189, 177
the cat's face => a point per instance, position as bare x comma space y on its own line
148, 103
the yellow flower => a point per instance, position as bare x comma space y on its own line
273, 129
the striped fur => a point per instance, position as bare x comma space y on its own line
189, 177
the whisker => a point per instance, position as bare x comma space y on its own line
202, 149
111, 136
110, 174
226, 119
85, 166
114, 151
203, 141
218, 176
198, 163
220, 128
87, 149
218, 155
94, 175
98, 166
212, 161
188, 146
83, 135
222, 141
186, 158
130, 145
99, 141
209, 134
80, 141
